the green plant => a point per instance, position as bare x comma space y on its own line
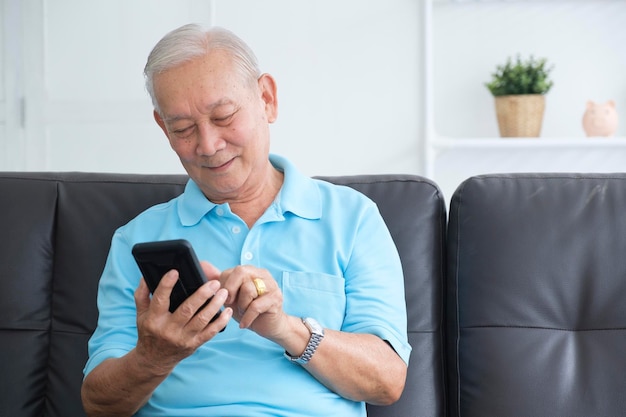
521, 77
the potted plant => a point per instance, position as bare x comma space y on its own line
519, 88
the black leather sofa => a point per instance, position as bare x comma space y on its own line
517, 304
56, 233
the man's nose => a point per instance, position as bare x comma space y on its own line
209, 139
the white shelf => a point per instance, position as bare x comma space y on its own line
442, 144
451, 157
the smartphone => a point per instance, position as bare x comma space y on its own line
155, 259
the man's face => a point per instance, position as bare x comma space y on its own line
217, 124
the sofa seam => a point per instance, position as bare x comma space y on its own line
127, 180
552, 175
457, 329
52, 291
563, 329
388, 178
443, 229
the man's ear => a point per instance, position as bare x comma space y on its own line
160, 122
267, 86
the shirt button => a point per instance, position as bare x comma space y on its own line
219, 211
236, 229
248, 256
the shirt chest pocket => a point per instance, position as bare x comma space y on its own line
311, 294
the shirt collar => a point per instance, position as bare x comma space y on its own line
193, 205
299, 195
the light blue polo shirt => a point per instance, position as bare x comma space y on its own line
334, 260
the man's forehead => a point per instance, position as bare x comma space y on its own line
224, 102
205, 83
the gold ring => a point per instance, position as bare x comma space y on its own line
260, 286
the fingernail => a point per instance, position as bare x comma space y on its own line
222, 294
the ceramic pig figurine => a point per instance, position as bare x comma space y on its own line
600, 119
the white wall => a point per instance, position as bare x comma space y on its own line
348, 75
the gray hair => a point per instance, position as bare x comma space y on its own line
192, 41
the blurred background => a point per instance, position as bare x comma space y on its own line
364, 86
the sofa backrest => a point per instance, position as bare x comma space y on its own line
56, 234
536, 307
56, 231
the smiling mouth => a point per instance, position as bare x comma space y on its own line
221, 167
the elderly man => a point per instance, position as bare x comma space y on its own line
307, 269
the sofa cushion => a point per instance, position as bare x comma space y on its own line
26, 270
536, 290
56, 233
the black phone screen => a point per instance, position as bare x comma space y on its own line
156, 258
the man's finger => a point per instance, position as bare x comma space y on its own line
161, 296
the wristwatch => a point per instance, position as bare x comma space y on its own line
317, 334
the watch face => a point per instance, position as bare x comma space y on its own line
313, 325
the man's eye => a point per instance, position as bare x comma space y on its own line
185, 131
223, 120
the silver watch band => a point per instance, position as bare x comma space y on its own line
317, 334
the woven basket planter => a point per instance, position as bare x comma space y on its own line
520, 115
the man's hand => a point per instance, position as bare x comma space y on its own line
165, 338
261, 313
120, 386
